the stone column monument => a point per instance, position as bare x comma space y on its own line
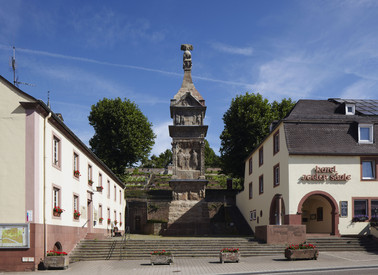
187, 211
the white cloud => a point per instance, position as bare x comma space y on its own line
163, 140
247, 51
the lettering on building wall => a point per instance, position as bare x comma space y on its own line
326, 173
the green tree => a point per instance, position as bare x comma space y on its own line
246, 123
161, 161
211, 159
123, 135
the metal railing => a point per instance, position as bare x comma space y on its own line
85, 224
125, 238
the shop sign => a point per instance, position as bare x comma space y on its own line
326, 173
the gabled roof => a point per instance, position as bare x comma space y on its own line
321, 127
43, 109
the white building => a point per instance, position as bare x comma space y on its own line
318, 168
43, 165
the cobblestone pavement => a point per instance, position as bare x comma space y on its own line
247, 265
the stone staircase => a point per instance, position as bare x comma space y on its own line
91, 250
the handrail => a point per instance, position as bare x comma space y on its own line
125, 238
85, 224
111, 250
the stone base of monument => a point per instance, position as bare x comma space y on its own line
188, 189
188, 211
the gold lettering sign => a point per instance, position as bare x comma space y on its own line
326, 173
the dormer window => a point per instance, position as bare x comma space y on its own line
365, 133
350, 109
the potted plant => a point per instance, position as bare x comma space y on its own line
100, 220
301, 251
360, 218
115, 222
109, 221
56, 260
57, 211
161, 257
120, 223
229, 255
76, 173
99, 188
76, 214
90, 182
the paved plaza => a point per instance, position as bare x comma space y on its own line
337, 261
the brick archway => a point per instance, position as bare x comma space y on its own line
332, 202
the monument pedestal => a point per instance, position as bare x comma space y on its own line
188, 212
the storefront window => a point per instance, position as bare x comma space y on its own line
368, 171
374, 210
360, 208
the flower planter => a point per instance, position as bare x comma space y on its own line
56, 262
301, 254
232, 257
56, 214
99, 188
161, 259
90, 182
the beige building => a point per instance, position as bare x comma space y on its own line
318, 168
44, 167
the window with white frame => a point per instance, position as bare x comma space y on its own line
76, 167
250, 165
365, 133
350, 109
56, 197
368, 169
100, 210
90, 179
108, 189
76, 203
56, 152
276, 142
261, 156
120, 196
115, 193
252, 215
360, 208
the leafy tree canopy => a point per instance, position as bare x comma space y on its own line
161, 161
211, 159
123, 135
246, 123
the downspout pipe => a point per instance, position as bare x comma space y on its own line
44, 185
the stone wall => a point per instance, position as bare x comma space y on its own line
281, 234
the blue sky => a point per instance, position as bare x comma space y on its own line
83, 51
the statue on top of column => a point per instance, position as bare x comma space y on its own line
187, 59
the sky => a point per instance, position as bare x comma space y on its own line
84, 51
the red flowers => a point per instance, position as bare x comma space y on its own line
57, 209
301, 246
76, 173
101, 219
163, 252
76, 214
56, 253
109, 221
230, 250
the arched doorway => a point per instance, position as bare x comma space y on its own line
319, 212
277, 210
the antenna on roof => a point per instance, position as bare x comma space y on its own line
14, 66
48, 99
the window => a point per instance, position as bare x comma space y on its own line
261, 184
120, 218
319, 214
115, 193
108, 214
115, 215
276, 175
76, 203
56, 197
76, 170
100, 210
350, 109
276, 143
56, 152
360, 208
108, 189
250, 165
252, 215
368, 169
261, 156
99, 179
343, 208
120, 197
250, 190
90, 179
374, 210
365, 133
